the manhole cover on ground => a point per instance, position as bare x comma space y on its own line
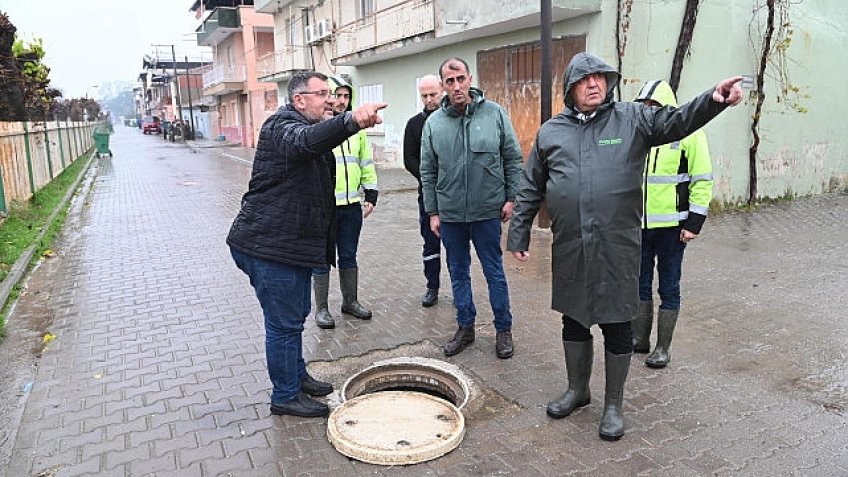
395, 427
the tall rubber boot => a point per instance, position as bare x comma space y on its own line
578, 364
349, 280
666, 320
612, 422
321, 288
641, 325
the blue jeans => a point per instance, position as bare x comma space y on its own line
348, 226
431, 255
663, 244
283, 293
486, 237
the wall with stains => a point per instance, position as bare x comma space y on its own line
802, 149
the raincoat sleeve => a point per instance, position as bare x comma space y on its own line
701, 180
511, 157
429, 171
669, 124
528, 200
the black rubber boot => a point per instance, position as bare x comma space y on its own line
349, 280
612, 422
578, 364
321, 287
666, 321
642, 324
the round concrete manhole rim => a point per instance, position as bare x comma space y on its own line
431, 376
395, 427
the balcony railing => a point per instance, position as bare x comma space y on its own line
280, 62
222, 23
397, 22
224, 74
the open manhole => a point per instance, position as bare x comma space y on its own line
401, 411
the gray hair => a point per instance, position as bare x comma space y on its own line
298, 82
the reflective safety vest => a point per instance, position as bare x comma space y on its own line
354, 171
678, 179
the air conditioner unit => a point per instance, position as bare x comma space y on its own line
322, 29
311, 37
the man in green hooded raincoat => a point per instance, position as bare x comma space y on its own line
587, 164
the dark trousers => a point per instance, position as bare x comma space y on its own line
486, 237
283, 293
348, 227
618, 337
662, 248
431, 255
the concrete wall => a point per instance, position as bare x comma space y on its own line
799, 153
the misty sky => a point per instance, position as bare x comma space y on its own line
89, 42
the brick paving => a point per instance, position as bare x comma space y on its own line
158, 365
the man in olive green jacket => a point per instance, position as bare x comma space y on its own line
470, 165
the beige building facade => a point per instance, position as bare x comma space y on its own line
384, 46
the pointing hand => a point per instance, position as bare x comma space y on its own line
728, 91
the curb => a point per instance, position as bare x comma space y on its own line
20, 267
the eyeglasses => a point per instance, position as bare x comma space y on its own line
321, 94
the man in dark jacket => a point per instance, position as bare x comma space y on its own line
431, 92
284, 228
587, 165
470, 165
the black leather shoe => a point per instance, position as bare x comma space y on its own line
302, 406
313, 387
430, 298
464, 336
503, 344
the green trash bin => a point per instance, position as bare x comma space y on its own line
101, 139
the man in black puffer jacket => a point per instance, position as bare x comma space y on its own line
284, 228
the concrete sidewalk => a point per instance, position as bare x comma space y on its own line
158, 363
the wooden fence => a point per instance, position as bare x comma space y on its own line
32, 153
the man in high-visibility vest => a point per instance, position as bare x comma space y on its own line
676, 193
356, 196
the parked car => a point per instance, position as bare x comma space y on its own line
150, 125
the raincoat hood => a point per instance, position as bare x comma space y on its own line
659, 91
584, 64
337, 82
477, 98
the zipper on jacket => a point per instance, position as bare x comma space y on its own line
347, 179
645, 189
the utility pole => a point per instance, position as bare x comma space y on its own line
190, 107
547, 77
544, 220
176, 78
